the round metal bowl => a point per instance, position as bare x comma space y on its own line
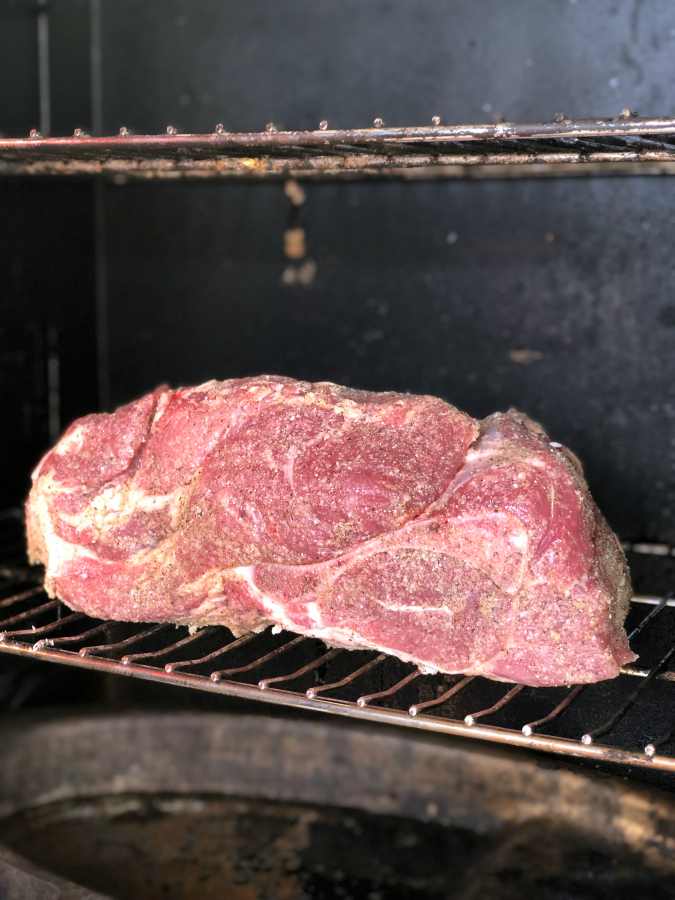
208, 805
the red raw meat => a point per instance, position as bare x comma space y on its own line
384, 521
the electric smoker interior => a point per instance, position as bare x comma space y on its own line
450, 260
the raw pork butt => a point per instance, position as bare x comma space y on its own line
382, 521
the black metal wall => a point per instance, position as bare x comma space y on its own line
47, 286
554, 296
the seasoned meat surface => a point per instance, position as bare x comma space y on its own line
384, 521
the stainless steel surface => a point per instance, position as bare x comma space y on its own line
621, 141
157, 644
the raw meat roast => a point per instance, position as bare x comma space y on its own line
384, 521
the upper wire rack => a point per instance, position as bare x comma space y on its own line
623, 143
297, 671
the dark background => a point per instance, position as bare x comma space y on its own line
424, 286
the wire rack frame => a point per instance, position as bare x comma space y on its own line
621, 145
33, 625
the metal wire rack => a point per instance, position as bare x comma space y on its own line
628, 720
623, 145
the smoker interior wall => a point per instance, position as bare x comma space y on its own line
47, 322
193, 63
47, 282
552, 296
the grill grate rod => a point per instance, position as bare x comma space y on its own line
27, 614
470, 719
314, 692
16, 598
455, 689
623, 709
216, 676
127, 642
45, 629
156, 654
58, 642
631, 142
239, 642
651, 615
530, 727
663, 738
559, 710
266, 682
380, 695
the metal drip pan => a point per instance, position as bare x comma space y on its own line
207, 805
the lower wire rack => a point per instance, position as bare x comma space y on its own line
630, 713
